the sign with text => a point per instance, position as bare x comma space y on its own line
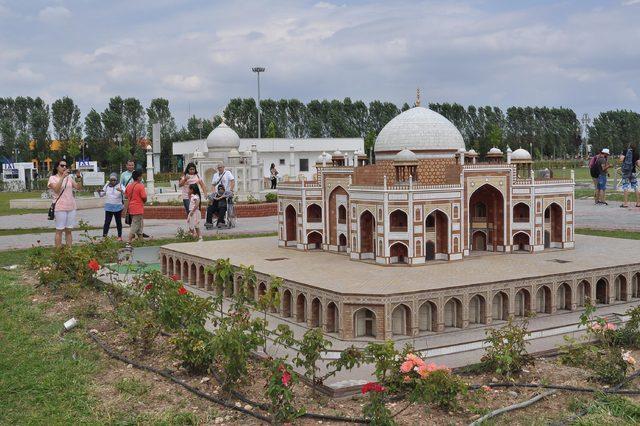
93, 178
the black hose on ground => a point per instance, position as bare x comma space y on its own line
166, 375
265, 407
211, 398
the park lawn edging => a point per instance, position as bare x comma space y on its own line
242, 211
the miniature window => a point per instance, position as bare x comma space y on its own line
282, 161
304, 164
342, 214
481, 210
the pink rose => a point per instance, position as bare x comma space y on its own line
406, 366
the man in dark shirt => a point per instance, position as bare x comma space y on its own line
629, 159
603, 166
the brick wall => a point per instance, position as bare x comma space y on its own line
242, 210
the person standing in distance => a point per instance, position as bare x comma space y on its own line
603, 167
62, 183
629, 159
222, 177
274, 176
189, 178
136, 197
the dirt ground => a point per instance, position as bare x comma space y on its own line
126, 394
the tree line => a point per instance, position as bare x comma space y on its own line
28, 125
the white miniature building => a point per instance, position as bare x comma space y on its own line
249, 160
17, 176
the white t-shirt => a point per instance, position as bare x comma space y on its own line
227, 177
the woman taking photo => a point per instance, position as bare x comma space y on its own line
113, 205
190, 177
62, 183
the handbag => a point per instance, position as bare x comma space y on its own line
51, 214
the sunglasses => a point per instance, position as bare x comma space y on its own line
62, 165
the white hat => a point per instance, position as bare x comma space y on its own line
605, 151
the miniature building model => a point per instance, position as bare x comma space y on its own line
426, 199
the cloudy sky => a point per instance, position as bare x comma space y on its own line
582, 54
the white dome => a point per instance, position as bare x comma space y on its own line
521, 154
223, 136
494, 151
419, 129
472, 153
324, 157
234, 153
405, 155
337, 153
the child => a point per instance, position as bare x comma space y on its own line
194, 217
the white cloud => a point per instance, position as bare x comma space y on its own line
325, 5
630, 2
189, 83
22, 74
54, 14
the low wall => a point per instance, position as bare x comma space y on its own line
242, 210
44, 203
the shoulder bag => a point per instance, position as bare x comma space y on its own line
51, 214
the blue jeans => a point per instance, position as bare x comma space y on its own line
602, 182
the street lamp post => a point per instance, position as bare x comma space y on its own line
258, 70
119, 140
585, 123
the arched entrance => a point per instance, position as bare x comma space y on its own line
521, 241
602, 291
553, 226
316, 313
428, 317
584, 292
563, 297
477, 310
337, 216
286, 304
500, 306
290, 219
486, 213
367, 235
543, 300
365, 323
453, 313
398, 221
342, 242
314, 240
429, 250
399, 253
332, 318
401, 321
635, 286
436, 233
521, 213
523, 303
620, 285
314, 213
479, 242
301, 308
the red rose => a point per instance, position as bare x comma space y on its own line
372, 387
175, 277
94, 265
148, 287
182, 291
286, 378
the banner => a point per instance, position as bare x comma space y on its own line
93, 178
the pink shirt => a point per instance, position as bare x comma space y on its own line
67, 201
185, 188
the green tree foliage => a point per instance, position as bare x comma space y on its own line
65, 117
39, 129
271, 130
98, 145
615, 130
159, 112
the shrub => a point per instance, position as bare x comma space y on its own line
310, 350
506, 351
375, 410
279, 390
439, 387
271, 197
574, 353
608, 366
138, 320
193, 346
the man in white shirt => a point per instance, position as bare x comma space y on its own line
222, 177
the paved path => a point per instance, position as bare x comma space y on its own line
588, 215
157, 228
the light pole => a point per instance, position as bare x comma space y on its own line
258, 70
585, 122
119, 140
200, 124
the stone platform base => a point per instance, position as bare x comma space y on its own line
361, 301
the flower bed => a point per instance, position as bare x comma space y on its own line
242, 210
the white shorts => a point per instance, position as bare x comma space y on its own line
65, 220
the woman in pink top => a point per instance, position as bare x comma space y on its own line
62, 184
190, 177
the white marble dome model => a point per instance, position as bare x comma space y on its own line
419, 129
521, 154
405, 155
223, 137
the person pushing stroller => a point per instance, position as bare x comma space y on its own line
218, 204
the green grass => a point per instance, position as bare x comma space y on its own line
627, 235
38, 230
132, 387
6, 196
44, 378
587, 193
611, 409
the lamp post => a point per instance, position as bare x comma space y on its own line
118, 139
585, 122
258, 70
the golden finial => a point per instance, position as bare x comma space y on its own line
418, 97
